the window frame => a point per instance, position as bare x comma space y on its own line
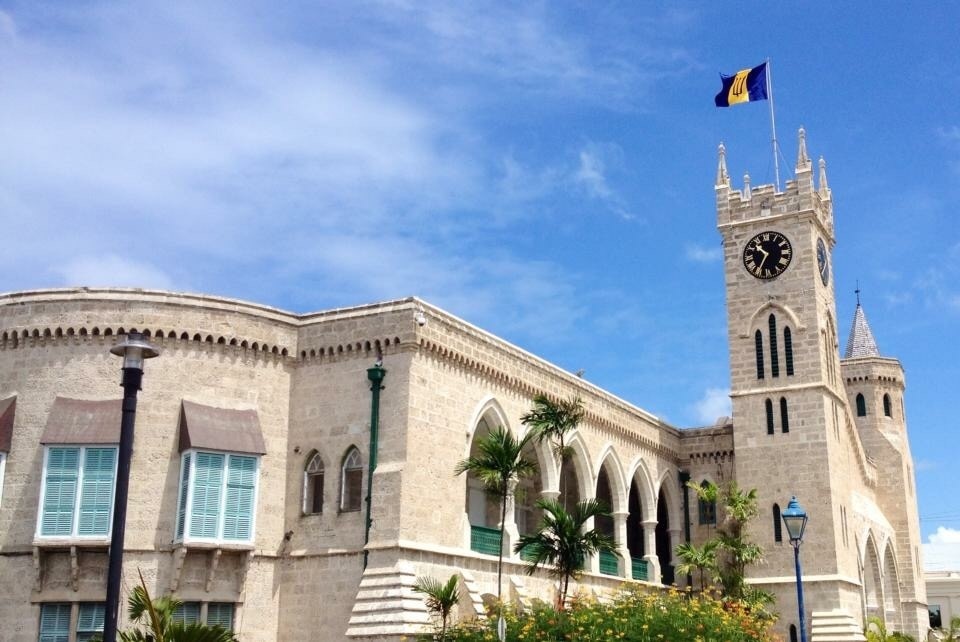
54, 636
343, 480
94, 631
861, 404
184, 537
308, 476
706, 511
3, 468
75, 519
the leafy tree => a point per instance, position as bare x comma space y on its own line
440, 598
702, 559
563, 544
734, 552
156, 618
499, 465
552, 421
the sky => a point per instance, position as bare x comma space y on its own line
542, 170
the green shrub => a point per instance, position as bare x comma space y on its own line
634, 614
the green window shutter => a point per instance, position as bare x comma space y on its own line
207, 488
90, 621
60, 491
182, 504
54, 622
187, 613
238, 509
220, 614
96, 492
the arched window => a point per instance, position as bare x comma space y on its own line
861, 406
313, 486
707, 510
788, 350
886, 406
758, 340
774, 357
351, 481
769, 405
784, 418
793, 633
777, 526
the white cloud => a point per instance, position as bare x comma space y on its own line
700, 254
590, 175
945, 535
110, 270
714, 403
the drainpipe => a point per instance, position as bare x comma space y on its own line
375, 375
684, 478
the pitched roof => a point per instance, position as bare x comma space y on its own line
861, 342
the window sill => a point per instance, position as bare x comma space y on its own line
69, 542
214, 545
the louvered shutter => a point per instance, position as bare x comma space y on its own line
187, 613
238, 510
220, 614
60, 491
207, 488
96, 492
184, 491
90, 621
54, 622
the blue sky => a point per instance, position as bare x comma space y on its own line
544, 171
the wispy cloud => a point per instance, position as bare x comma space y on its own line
701, 254
714, 404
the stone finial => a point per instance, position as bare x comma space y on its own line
723, 179
803, 160
823, 187
746, 186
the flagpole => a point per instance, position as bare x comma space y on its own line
773, 125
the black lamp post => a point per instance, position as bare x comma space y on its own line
134, 349
795, 519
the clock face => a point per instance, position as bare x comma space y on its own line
823, 262
767, 255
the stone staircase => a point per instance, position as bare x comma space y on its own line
386, 604
835, 626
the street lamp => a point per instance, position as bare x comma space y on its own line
134, 349
795, 518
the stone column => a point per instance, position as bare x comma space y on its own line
650, 550
510, 531
620, 536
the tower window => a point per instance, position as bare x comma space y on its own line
777, 526
758, 340
886, 406
861, 406
774, 357
313, 486
351, 481
769, 405
793, 633
788, 350
784, 418
707, 510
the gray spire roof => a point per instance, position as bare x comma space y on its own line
861, 342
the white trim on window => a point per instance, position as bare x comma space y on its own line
185, 537
3, 464
77, 495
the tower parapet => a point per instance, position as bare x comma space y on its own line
799, 194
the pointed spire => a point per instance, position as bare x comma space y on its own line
824, 188
861, 342
723, 179
746, 186
803, 160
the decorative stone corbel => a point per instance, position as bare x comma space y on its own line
74, 569
212, 565
37, 569
245, 561
179, 554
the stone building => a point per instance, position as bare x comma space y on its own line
252, 466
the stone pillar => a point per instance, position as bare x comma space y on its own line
620, 536
650, 550
510, 531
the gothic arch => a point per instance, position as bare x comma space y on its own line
648, 501
580, 461
891, 586
611, 462
758, 320
490, 409
872, 582
667, 484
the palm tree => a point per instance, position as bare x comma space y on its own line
499, 465
156, 616
876, 631
563, 544
702, 559
440, 598
552, 421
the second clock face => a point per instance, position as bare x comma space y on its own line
767, 255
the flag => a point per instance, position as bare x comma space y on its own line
747, 85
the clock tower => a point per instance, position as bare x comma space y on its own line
794, 431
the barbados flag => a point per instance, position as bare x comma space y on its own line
747, 85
